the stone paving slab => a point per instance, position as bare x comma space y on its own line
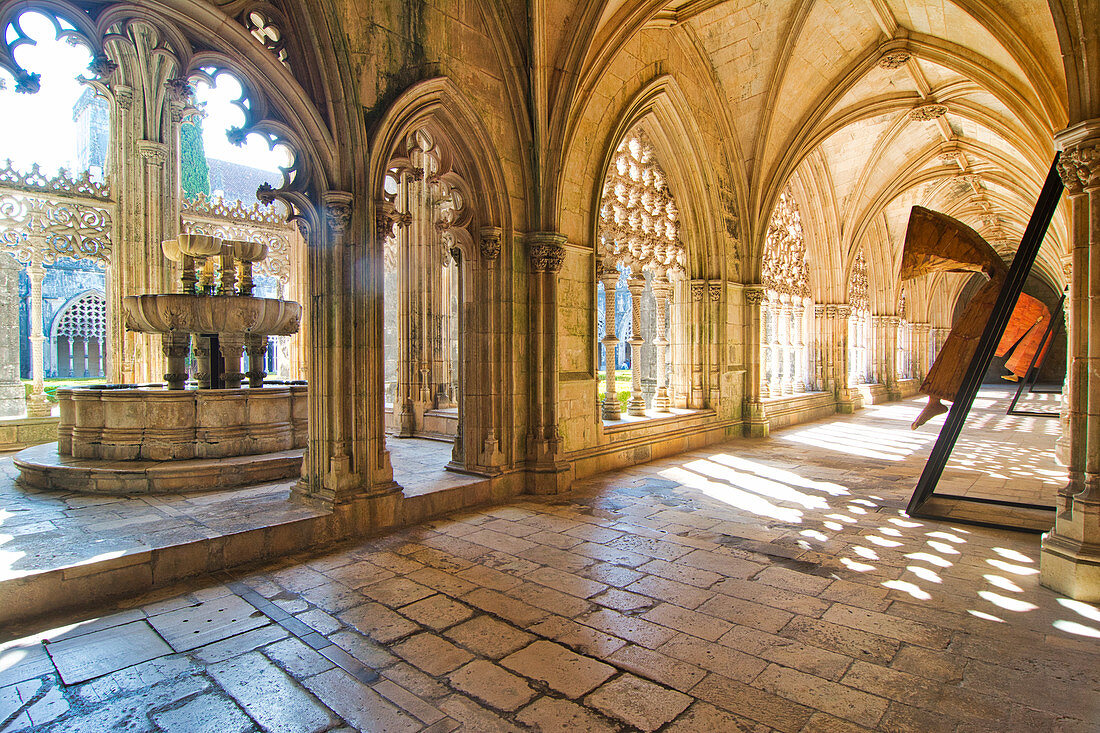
647, 601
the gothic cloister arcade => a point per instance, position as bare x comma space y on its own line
535, 243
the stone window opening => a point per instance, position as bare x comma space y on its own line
79, 336
422, 290
640, 257
859, 323
787, 306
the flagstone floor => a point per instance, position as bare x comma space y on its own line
748, 586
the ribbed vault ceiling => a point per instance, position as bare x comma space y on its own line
825, 94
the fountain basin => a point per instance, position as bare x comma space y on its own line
150, 424
221, 314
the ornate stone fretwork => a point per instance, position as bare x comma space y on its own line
639, 233
784, 267
33, 180
784, 340
267, 28
69, 227
894, 58
927, 112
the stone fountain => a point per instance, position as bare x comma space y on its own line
215, 435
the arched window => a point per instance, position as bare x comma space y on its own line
859, 323
640, 253
787, 304
79, 335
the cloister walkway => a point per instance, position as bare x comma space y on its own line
754, 585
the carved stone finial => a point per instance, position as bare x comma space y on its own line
179, 89
894, 59
927, 112
27, 82
102, 66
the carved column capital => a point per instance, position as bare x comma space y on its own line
698, 287
385, 220
755, 294
124, 96
153, 152
715, 292
337, 208
546, 251
843, 311
490, 242
1079, 164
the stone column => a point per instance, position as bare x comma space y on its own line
823, 358
891, 323
841, 320
786, 372
232, 349
200, 350
1070, 557
256, 346
37, 404
756, 424
800, 356
12, 399
636, 405
547, 467
765, 336
698, 293
609, 276
716, 322
491, 413
662, 292
176, 346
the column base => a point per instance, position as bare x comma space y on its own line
611, 410
550, 478
1070, 559
39, 406
756, 421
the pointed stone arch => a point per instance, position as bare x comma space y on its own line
484, 245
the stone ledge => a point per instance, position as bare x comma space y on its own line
43, 468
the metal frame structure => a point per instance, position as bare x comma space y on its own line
972, 380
